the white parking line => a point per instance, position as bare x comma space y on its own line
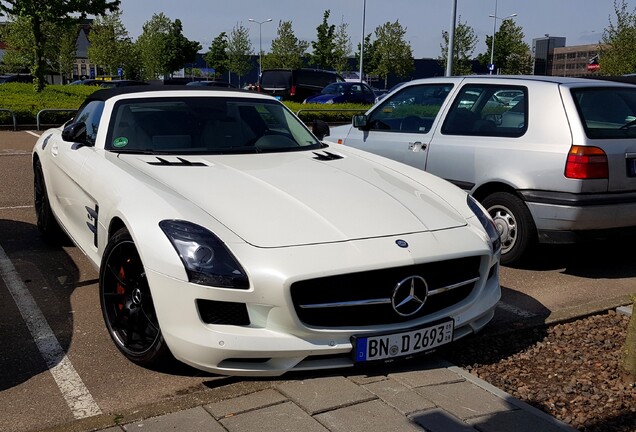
515, 310
16, 207
68, 381
33, 133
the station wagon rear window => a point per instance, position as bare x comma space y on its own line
607, 112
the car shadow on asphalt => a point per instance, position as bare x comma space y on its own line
592, 259
50, 276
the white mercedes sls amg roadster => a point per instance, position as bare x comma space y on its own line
228, 236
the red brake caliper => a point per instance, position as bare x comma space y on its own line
120, 288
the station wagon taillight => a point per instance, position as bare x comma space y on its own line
586, 163
292, 91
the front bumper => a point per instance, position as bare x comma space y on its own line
276, 341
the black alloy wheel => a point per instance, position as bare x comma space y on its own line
46, 222
127, 305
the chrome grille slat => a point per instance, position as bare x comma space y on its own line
383, 300
364, 298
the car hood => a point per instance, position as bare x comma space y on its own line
322, 98
296, 198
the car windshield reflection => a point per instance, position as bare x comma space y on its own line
205, 125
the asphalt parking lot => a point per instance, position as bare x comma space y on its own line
561, 283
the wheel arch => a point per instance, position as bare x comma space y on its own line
489, 188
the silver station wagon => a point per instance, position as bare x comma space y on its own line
556, 166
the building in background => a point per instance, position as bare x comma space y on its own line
542, 49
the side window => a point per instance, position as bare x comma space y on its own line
90, 114
488, 110
413, 109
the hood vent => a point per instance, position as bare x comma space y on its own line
182, 162
326, 156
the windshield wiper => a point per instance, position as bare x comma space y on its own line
628, 124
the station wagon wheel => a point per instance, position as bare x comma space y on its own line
127, 304
514, 223
46, 222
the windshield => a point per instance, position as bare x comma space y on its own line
205, 125
335, 89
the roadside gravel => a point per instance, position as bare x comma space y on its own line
569, 370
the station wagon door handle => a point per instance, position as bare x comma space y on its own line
417, 146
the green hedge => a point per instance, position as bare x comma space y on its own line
25, 102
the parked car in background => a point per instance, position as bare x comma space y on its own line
266, 251
295, 84
18, 78
344, 92
121, 83
87, 81
221, 84
557, 167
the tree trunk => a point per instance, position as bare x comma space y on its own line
38, 68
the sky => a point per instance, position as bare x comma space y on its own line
579, 21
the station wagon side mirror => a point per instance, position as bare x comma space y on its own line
360, 121
320, 128
75, 133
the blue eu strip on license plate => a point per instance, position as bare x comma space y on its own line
402, 344
631, 167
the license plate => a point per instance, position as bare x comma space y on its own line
631, 167
394, 345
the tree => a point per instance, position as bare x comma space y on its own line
163, 48
17, 34
342, 50
217, 56
368, 66
617, 55
391, 53
59, 51
464, 45
40, 13
324, 46
287, 50
67, 51
512, 54
110, 46
239, 51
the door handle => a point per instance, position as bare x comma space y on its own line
417, 146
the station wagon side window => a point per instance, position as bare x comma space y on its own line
488, 110
90, 114
412, 109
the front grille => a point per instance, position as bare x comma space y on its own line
219, 312
364, 298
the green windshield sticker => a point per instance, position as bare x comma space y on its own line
120, 142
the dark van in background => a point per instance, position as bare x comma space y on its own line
295, 84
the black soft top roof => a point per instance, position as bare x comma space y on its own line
107, 93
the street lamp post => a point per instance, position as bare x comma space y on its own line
494, 29
260, 44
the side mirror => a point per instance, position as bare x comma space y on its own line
360, 121
75, 133
320, 129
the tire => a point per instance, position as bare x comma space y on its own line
45, 220
515, 225
127, 305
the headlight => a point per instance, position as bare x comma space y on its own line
206, 259
486, 221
